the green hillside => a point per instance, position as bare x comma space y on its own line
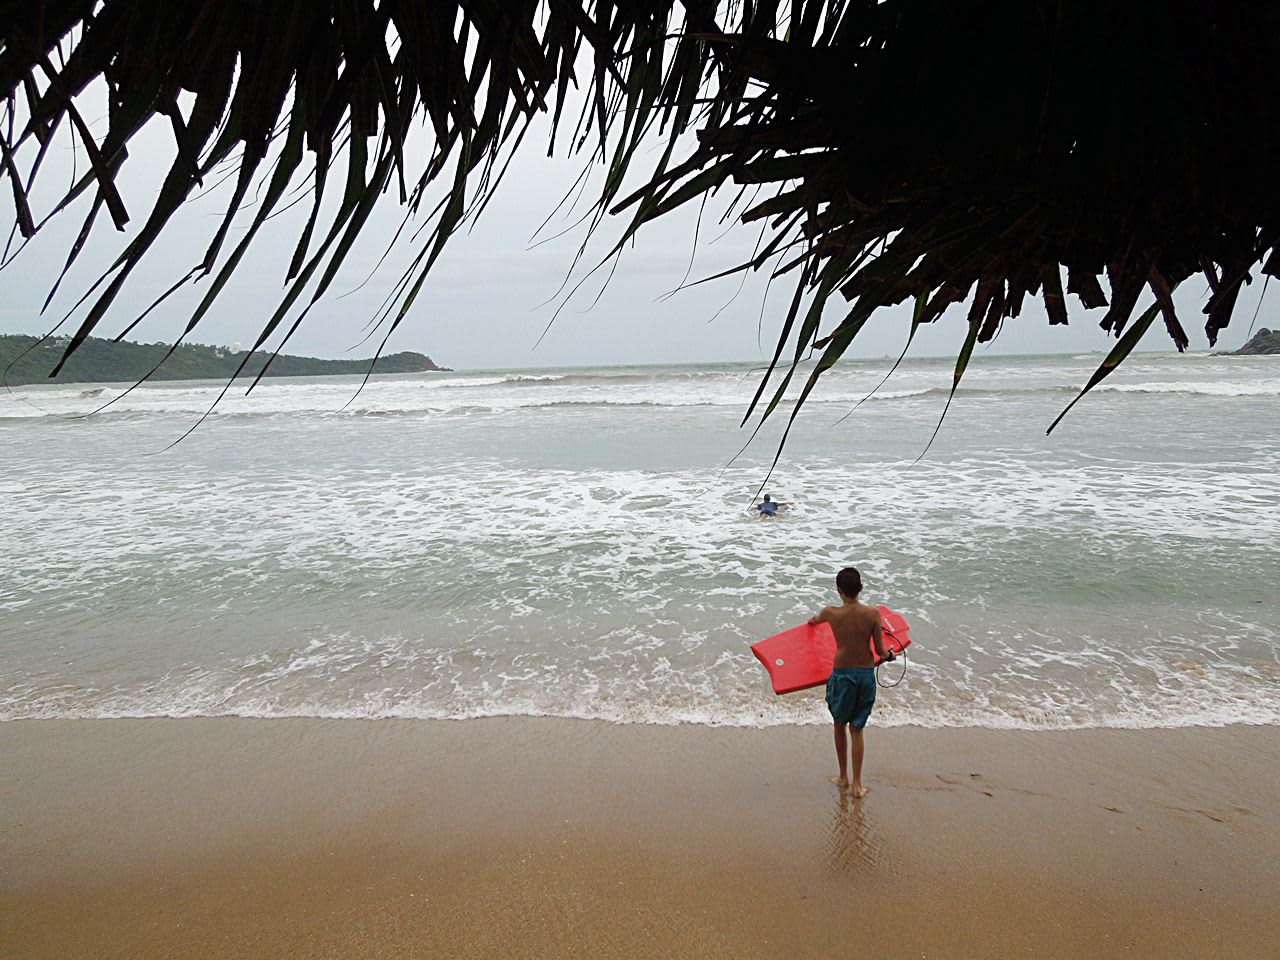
99, 361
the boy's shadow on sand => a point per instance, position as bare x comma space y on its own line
854, 845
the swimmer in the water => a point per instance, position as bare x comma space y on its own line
768, 508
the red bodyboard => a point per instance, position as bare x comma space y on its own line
802, 657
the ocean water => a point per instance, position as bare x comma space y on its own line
576, 543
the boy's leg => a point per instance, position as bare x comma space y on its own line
855, 734
842, 756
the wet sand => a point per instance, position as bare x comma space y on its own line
556, 838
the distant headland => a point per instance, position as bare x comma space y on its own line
106, 361
1264, 341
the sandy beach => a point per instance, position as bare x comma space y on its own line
560, 838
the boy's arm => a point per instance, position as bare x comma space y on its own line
822, 616
877, 638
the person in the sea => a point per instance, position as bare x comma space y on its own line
768, 507
851, 689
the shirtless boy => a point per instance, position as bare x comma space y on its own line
851, 690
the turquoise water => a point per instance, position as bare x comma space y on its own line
577, 543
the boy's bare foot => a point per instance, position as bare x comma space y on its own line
859, 791
840, 782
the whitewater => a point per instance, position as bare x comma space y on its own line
577, 543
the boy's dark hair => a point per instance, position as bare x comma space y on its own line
849, 582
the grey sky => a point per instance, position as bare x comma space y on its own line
480, 307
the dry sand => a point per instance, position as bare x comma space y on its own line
235, 838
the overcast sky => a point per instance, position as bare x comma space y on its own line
483, 305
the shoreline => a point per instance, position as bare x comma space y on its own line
821, 720
235, 837
878, 723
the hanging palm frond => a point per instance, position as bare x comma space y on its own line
922, 150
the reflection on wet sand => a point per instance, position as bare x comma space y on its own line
854, 845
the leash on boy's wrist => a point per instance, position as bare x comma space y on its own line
891, 654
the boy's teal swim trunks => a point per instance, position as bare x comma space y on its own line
851, 693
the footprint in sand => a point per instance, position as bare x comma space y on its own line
1213, 815
986, 788
1217, 816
